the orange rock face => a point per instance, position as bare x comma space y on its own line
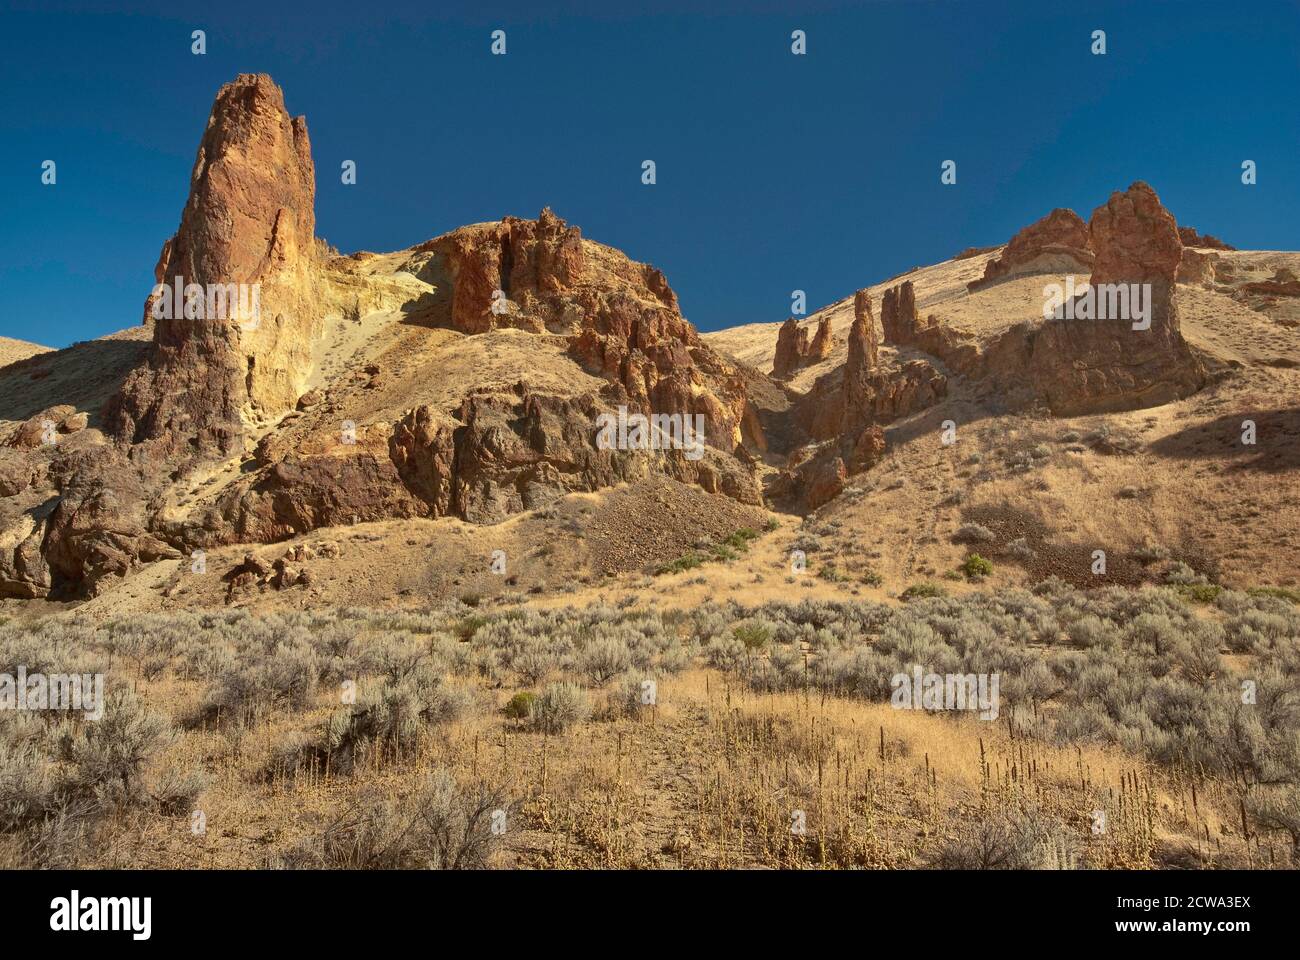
857, 393
249, 221
1080, 364
844, 410
82, 508
1191, 238
794, 348
210, 380
1058, 243
520, 261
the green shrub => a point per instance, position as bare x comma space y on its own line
723, 553
753, 635
976, 567
741, 538
466, 629
520, 706
687, 561
924, 589
1200, 592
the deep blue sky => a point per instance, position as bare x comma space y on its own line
775, 172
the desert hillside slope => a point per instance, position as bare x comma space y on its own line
11, 350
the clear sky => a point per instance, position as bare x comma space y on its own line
775, 172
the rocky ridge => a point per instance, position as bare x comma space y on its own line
374, 387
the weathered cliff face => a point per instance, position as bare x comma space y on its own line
30, 452
844, 412
1083, 363
621, 317
80, 507
857, 394
215, 378
249, 222
512, 273
1198, 268
796, 349
1094, 365
74, 511
1058, 243
500, 452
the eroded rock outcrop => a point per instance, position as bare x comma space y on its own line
844, 411
796, 349
1197, 267
1190, 238
495, 456
213, 379
247, 230
1098, 355
1058, 243
99, 528
1117, 362
903, 326
506, 274
621, 317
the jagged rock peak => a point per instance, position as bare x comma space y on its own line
247, 232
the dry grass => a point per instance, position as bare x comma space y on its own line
718, 772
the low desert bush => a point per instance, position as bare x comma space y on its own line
973, 533
520, 706
1009, 840
922, 590
442, 827
561, 707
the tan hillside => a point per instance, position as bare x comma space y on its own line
11, 350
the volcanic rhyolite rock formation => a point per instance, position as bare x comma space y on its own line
1191, 238
212, 388
845, 410
466, 377
1106, 364
250, 219
1058, 243
795, 349
1079, 365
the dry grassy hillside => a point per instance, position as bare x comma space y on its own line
519, 691
11, 350
1173, 481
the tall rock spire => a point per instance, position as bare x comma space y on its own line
249, 222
